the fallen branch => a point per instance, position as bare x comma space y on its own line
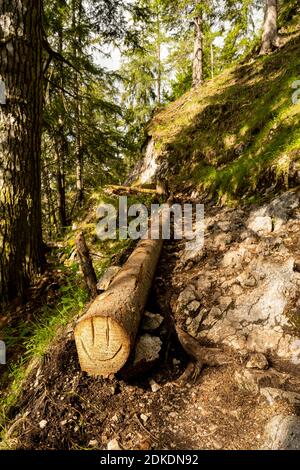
56, 55
86, 265
131, 189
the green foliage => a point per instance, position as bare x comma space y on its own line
33, 338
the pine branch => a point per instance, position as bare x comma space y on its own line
61, 88
57, 55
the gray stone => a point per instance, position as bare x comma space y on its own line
256, 321
261, 225
254, 380
257, 361
236, 290
282, 433
43, 423
225, 302
114, 445
107, 278
93, 443
273, 394
194, 306
247, 381
204, 284
194, 325
154, 386
186, 297
247, 280
147, 349
151, 321
234, 258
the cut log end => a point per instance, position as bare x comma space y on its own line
103, 346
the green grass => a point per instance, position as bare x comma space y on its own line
34, 338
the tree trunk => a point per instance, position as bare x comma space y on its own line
51, 225
158, 32
198, 47
79, 159
270, 38
212, 60
78, 108
21, 255
60, 150
61, 144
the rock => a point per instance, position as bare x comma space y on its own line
194, 325
151, 321
93, 443
247, 381
274, 394
147, 349
281, 207
107, 278
247, 280
257, 361
186, 297
194, 306
234, 258
254, 380
43, 424
224, 225
236, 290
216, 312
144, 418
282, 433
261, 225
114, 445
257, 320
225, 302
203, 284
154, 386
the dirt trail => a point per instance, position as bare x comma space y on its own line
63, 408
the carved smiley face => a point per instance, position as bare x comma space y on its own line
102, 345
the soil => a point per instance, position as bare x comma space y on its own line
62, 408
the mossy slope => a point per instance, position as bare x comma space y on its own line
239, 132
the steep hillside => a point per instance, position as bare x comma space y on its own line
237, 134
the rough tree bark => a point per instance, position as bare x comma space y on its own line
21, 255
158, 34
270, 38
76, 20
61, 150
198, 46
61, 144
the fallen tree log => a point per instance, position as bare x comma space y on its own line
105, 335
132, 189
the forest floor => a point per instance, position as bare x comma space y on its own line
60, 407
